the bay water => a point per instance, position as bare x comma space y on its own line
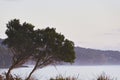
79, 72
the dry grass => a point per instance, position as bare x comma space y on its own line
104, 77
63, 78
60, 77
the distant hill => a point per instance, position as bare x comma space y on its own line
84, 56
5, 57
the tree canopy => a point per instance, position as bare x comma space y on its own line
44, 46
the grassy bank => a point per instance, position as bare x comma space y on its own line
101, 77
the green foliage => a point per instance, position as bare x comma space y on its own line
20, 43
45, 46
51, 47
24, 40
19, 39
51, 43
18, 34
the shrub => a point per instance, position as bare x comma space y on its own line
63, 78
103, 77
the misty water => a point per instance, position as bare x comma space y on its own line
80, 72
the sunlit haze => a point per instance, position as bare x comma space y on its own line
88, 23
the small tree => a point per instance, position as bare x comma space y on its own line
51, 47
20, 43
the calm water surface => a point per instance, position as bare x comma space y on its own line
81, 72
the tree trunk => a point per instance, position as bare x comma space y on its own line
8, 73
35, 67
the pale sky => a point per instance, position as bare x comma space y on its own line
88, 23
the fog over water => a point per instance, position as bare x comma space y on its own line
80, 72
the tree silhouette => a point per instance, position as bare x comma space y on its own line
44, 46
52, 47
20, 43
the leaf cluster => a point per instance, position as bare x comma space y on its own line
24, 41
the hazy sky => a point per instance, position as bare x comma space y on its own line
89, 23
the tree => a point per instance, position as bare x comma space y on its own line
44, 46
51, 47
20, 43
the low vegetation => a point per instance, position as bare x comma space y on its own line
104, 77
59, 77
63, 78
15, 77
